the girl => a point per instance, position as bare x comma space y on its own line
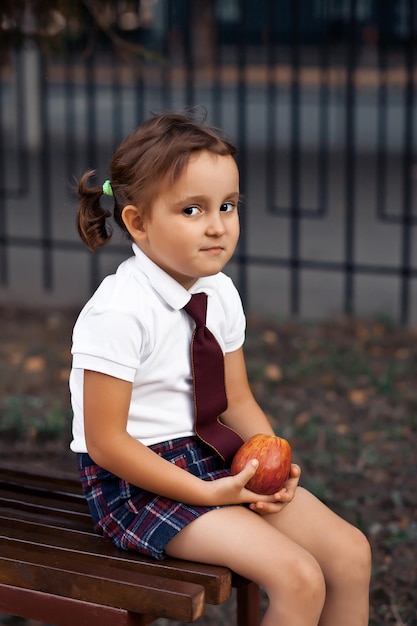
151, 484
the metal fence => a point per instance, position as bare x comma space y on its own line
319, 96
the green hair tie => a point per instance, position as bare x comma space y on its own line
107, 189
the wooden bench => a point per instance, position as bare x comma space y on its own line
55, 569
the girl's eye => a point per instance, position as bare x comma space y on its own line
227, 206
191, 210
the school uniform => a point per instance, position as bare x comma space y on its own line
134, 328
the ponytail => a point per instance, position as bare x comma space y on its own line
91, 216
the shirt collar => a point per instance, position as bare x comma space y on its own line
167, 287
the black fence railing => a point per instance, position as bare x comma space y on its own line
319, 97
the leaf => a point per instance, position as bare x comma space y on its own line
273, 372
34, 364
359, 397
371, 435
302, 418
270, 337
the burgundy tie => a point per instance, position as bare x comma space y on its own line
210, 399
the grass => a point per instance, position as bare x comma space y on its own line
28, 417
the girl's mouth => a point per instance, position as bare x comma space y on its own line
213, 250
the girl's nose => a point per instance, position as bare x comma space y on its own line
215, 224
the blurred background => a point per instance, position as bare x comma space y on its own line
318, 95
320, 98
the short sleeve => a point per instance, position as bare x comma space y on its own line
108, 341
235, 319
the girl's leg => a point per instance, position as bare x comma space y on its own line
243, 541
342, 552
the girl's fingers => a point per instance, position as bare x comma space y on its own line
248, 471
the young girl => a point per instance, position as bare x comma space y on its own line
151, 484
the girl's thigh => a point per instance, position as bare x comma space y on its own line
240, 539
332, 541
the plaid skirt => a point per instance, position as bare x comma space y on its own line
136, 519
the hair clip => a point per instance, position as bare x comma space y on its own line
107, 188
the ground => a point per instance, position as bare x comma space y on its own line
342, 392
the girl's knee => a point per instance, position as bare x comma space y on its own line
303, 579
362, 553
354, 559
310, 579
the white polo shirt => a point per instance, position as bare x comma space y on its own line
134, 328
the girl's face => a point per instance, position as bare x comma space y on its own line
192, 227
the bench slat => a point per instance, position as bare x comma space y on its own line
33, 502
46, 513
38, 482
79, 523
46, 608
49, 571
42, 516
67, 495
215, 579
68, 492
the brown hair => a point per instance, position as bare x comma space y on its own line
155, 153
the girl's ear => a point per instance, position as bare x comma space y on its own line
134, 222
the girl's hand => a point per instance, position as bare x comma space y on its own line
232, 489
279, 500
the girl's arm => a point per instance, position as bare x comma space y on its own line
106, 406
246, 417
243, 413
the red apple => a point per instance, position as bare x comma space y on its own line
274, 456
